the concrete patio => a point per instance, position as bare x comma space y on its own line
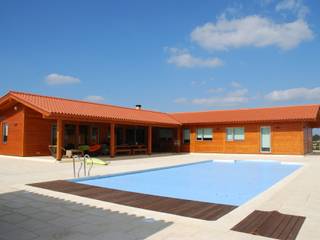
31, 213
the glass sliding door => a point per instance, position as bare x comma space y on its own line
95, 135
265, 139
83, 135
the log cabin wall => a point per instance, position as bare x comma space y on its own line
37, 134
286, 138
14, 117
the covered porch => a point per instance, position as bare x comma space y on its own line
112, 139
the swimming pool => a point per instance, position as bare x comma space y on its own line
223, 182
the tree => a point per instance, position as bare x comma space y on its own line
316, 137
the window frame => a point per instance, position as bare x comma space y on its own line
234, 134
53, 138
185, 140
166, 134
5, 132
233, 130
202, 138
270, 132
227, 134
97, 136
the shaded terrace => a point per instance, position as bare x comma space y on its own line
88, 126
113, 139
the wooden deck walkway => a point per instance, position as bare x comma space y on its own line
271, 224
186, 208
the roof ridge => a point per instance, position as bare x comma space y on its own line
243, 109
83, 101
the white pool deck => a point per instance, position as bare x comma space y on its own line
32, 213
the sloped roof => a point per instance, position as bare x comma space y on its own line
55, 107
271, 114
67, 108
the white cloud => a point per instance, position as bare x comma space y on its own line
181, 100
233, 11
182, 58
198, 83
215, 90
58, 79
252, 30
295, 6
94, 98
235, 84
238, 92
294, 94
233, 98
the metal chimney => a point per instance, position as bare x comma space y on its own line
138, 106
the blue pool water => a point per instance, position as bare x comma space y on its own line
211, 181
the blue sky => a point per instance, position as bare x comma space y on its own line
163, 54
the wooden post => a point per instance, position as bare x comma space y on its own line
178, 139
149, 140
112, 140
193, 139
59, 139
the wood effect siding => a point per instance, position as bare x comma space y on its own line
37, 134
30, 135
15, 121
286, 138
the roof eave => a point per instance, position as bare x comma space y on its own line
26, 103
72, 117
249, 121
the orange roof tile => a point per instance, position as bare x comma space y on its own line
53, 106
271, 114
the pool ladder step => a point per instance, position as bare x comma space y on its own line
83, 160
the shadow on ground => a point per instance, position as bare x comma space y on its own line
25, 215
126, 157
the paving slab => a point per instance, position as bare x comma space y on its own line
29, 213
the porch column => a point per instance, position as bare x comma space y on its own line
59, 139
112, 140
178, 139
149, 140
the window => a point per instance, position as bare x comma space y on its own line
265, 139
53, 134
186, 135
95, 135
235, 134
5, 132
166, 134
204, 134
83, 135
69, 136
140, 135
238, 133
229, 134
